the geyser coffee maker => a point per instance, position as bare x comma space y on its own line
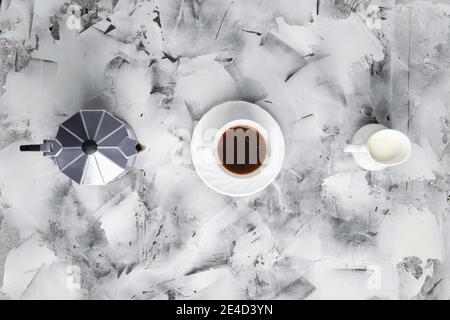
92, 147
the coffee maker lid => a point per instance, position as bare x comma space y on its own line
94, 147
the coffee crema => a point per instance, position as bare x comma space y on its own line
241, 150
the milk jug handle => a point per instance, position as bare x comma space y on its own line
355, 148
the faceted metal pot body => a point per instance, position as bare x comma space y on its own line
92, 147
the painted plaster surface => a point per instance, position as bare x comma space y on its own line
324, 229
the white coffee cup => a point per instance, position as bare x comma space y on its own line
385, 147
206, 137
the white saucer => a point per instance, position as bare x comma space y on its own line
360, 137
203, 153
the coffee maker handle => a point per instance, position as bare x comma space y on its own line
30, 147
45, 147
355, 148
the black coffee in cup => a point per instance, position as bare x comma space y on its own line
241, 150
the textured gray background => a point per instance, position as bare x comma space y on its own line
325, 229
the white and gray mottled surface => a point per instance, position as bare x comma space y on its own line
325, 229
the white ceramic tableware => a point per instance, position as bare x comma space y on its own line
377, 147
205, 140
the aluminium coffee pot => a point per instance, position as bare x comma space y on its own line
92, 147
